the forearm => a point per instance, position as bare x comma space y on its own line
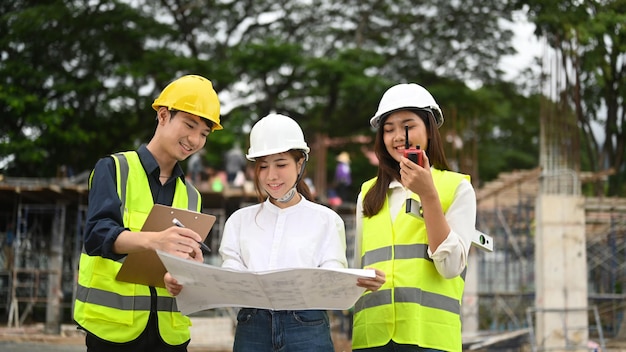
130, 242
450, 258
437, 226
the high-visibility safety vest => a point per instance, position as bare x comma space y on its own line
118, 311
416, 305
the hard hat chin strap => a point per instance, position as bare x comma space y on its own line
288, 196
292, 192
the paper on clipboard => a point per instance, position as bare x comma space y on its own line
145, 267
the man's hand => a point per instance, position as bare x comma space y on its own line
181, 242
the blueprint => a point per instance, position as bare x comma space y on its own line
208, 286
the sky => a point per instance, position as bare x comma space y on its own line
529, 47
526, 44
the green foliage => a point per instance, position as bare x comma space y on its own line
84, 88
590, 39
512, 140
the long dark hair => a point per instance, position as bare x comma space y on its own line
301, 187
389, 168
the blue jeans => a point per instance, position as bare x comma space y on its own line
262, 330
396, 347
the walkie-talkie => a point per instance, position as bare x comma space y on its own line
413, 154
412, 206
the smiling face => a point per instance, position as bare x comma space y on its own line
277, 174
181, 135
394, 135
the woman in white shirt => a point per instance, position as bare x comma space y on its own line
285, 230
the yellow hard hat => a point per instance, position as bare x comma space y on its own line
343, 157
192, 94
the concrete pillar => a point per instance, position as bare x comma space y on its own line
469, 309
55, 263
561, 273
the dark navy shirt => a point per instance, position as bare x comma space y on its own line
104, 220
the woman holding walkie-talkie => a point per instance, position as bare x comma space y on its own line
415, 222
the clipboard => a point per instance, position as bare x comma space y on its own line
146, 267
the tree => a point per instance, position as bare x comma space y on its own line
327, 63
589, 38
69, 84
87, 83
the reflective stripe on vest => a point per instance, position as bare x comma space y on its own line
118, 311
405, 294
416, 305
401, 251
113, 300
192, 193
408, 295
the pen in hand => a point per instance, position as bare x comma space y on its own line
203, 246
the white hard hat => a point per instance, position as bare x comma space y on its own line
407, 96
275, 134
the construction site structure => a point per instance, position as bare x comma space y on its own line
509, 288
50, 214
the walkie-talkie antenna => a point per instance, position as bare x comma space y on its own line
407, 145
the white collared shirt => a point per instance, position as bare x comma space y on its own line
450, 257
265, 237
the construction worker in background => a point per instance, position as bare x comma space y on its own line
120, 316
285, 230
343, 177
235, 165
195, 167
422, 249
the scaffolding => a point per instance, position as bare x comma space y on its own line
506, 210
506, 288
43, 270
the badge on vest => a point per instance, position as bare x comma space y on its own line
414, 208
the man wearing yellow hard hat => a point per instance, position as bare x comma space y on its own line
120, 316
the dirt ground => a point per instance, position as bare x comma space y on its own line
73, 339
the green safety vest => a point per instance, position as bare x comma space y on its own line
416, 305
118, 311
